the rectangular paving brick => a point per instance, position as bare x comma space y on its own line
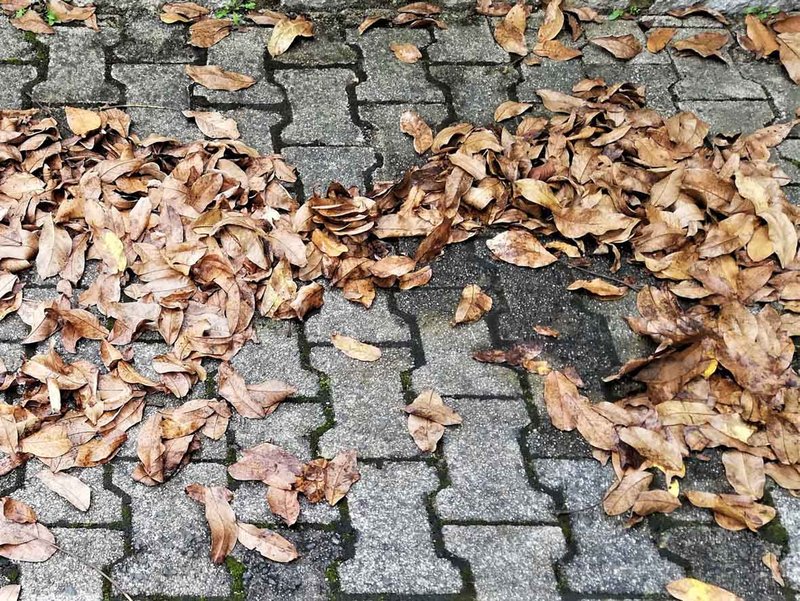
395, 553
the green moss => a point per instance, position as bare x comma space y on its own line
236, 569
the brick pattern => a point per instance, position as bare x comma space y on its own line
507, 508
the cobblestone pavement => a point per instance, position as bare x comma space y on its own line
508, 507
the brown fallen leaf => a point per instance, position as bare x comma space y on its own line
510, 32
770, 560
413, 125
706, 43
510, 109
624, 493
31, 21
520, 248
341, 473
555, 50
22, 538
745, 473
355, 349
284, 504
267, 463
214, 124
405, 53
68, 487
214, 77
428, 415
789, 52
599, 287
621, 46
659, 37
207, 32
473, 305
268, 543
553, 21
10, 592
691, 589
761, 38
543, 330
182, 12
285, 33
82, 121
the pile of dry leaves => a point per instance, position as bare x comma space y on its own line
39, 16
191, 240
780, 34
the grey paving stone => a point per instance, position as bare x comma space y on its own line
789, 513
789, 153
657, 80
159, 85
13, 354
320, 112
146, 39
318, 166
76, 70
476, 103
66, 576
367, 404
300, 580
243, 52
609, 559
593, 54
170, 539
731, 116
473, 43
486, 469
395, 148
255, 126
732, 7
449, 367
276, 356
784, 92
692, 21
459, 266
376, 324
731, 560
13, 79
550, 75
12, 43
510, 563
627, 344
105, 508
709, 78
394, 552
289, 427
387, 78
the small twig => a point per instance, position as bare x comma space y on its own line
139, 106
113, 582
580, 509
604, 276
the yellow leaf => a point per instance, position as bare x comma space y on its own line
115, 249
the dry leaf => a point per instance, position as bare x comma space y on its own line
599, 287
269, 544
510, 32
214, 125
355, 349
659, 37
413, 125
285, 33
770, 560
214, 77
520, 248
707, 43
67, 486
621, 46
473, 305
405, 53
81, 121
690, 589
